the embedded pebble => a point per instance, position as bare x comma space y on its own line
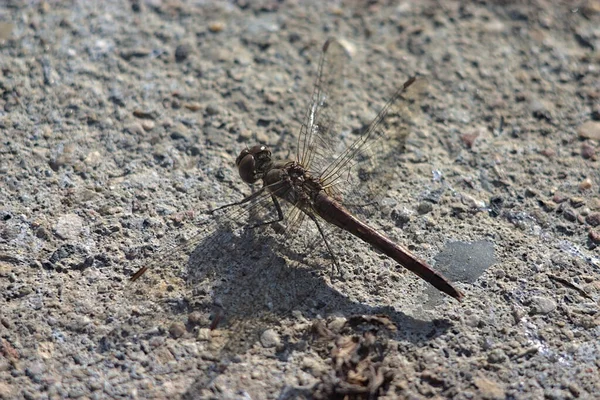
424, 207
588, 151
496, 356
589, 130
586, 184
182, 52
540, 109
195, 318
177, 329
270, 338
336, 324
400, 217
148, 125
593, 219
594, 236
542, 305
216, 26
135, 128
204, 334
570, 214
68, 227
489, 389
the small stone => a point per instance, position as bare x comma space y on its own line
135, 128
148, 125
586, 184
489, 389
469, 139
204, 334
529, 192
211, 110
400, 217
68, 227
577, 201
177, 330
548, 152
496, 356
336, 324
593, 219
542, 305
195, 318
594, 236
313, 365
570, 214
472, 321
35, 371
548, 205
42, 233
589, 130
559, 198
216, 26
162, 355
262, 137
182, 52
193, 106
244, 135
424, 207
135, 53
145, 114
540, 110
472, 202
574, 389
587, 151
257, 374
270, 338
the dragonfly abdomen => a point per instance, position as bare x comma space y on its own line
331, 211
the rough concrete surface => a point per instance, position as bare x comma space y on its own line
120, 122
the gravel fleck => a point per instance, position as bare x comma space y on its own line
496, 356
177, 329
588, 151
585, 184
541, 305
589, 130
270, 338
69, 227
489, 389
593, 219
594, 236
424, 207
182, 52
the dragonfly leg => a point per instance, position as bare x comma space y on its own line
237, 203
279, 215
335, 265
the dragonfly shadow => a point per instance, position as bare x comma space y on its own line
258, 283
251, 280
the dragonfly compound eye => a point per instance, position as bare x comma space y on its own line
247, 166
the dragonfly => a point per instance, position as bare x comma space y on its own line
316, 184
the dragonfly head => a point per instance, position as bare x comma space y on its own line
253, 163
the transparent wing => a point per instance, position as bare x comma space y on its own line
363, 164
318, 138
367, 164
